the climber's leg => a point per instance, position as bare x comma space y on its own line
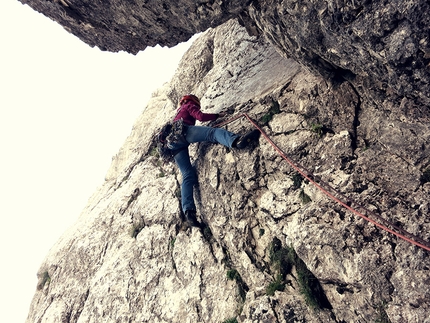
189, 179
215, 135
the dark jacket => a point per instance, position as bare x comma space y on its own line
190, 112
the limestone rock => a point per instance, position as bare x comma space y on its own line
132, 26
382, 48
273, 247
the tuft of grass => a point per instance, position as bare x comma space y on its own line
274, 286
310, 287
230, 320
382, 314
306, 281
274, 109
154, 152
207, 233
304, 197
261, 232
136, 228
46, 279
266, 118
297, 180
283, 259
425, 177
317, 128
280, 260
172, 242
233, 274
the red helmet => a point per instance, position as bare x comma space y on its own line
189, 97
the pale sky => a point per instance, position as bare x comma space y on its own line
65, 110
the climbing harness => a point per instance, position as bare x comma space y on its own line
331, 192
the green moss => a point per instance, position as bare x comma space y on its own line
46, 279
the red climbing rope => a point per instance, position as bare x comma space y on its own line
403, 235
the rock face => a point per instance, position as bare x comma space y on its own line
273, 247
381, 47
132, 26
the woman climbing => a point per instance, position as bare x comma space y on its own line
188, 112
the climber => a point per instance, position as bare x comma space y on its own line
187, 114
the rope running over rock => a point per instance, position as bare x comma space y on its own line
324, 187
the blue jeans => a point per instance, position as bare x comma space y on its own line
182, 157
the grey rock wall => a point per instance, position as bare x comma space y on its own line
129, 258
133, 25
381, 47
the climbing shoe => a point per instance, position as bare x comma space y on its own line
243, 141
190, 218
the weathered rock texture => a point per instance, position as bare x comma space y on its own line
360, 130
381, 47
